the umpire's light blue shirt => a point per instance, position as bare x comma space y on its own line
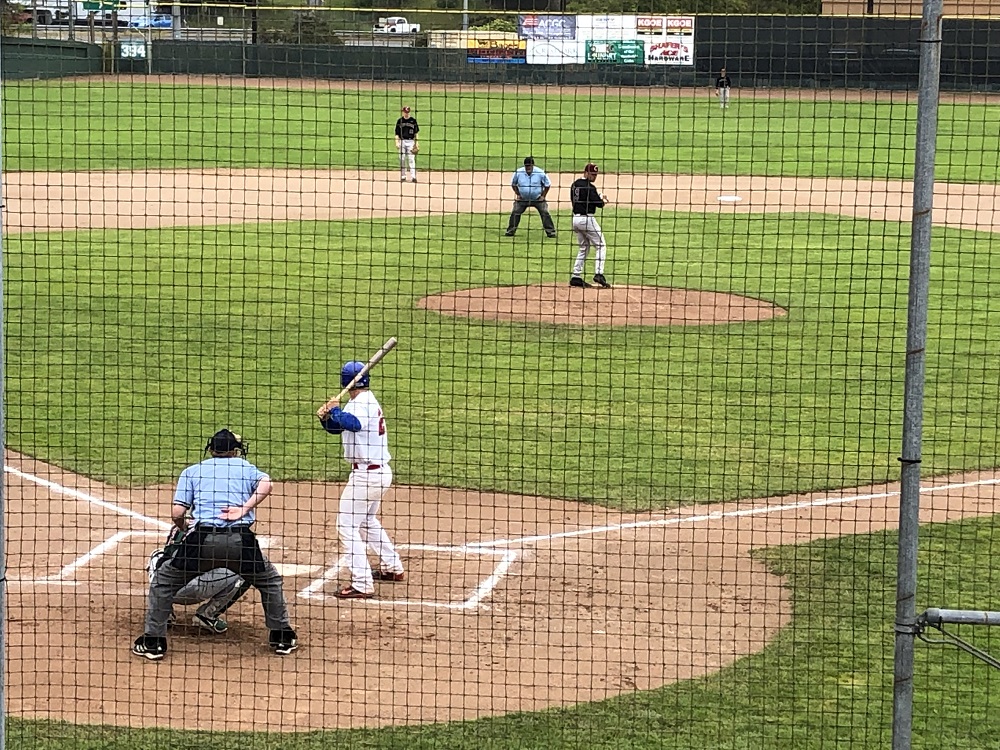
530, 186
218, 483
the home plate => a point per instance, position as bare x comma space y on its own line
729, 199
296, 570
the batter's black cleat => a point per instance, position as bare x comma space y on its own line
577, 281
388, 575
601, 281
283, 642
150, 647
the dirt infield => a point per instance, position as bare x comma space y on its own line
512, 603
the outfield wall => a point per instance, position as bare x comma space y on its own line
758, 51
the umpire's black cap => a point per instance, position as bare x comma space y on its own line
224, 441
529, 160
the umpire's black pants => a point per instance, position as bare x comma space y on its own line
207, 549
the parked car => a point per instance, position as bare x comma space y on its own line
156, 21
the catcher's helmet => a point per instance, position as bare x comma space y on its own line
225, 441
350, 370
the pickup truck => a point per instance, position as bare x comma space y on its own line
395, 25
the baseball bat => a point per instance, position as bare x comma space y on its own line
376, 358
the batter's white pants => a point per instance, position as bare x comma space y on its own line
588, 234
359, 527
723, 98
406, 157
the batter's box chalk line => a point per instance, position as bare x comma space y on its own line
474, 600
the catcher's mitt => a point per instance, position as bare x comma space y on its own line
415, 149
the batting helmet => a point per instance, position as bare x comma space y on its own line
349, 371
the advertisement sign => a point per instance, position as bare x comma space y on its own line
554, 52
497, 51
650, 25
670, 52
615, 51
546, 27
608, 27
680, 25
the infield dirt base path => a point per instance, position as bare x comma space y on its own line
42, 201
592, 604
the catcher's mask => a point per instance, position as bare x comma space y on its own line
225, 441
350, 370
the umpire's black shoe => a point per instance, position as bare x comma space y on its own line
550, 235
283, 641
601, 281
151, 647
509, 233
577, 281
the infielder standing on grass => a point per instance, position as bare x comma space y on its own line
530, 185
722, 86
406, 144
361, 426
221, 494
586, 200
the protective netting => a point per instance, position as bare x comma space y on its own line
629, 476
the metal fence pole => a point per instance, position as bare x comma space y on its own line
3, 473
916, 340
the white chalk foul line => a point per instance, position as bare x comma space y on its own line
106, 546
78, 495
760, 511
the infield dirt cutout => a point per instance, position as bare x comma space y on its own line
511, 603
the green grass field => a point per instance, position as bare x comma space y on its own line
171, 332
69, 126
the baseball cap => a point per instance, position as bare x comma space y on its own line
591, 167
529, 160
406, 110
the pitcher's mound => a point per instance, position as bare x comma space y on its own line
560, 304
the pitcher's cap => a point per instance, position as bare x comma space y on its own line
406, 110
591, 167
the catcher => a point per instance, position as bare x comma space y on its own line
218, 589
406, 143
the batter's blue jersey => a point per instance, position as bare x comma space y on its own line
216, 483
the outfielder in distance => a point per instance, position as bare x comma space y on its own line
221, 494
361, 426
723, 85
406, 143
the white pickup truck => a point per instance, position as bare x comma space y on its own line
395, 25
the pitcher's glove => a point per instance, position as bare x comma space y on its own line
415, 149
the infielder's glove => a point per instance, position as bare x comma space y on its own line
415, 149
